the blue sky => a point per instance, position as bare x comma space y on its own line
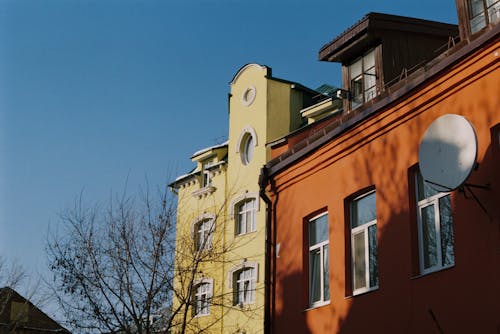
95, 92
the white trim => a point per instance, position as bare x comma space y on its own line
245, 101
240, 267
422, 204
196, 284
247, 195
312, 249
247, 129
244, 68
204, 216
364, 228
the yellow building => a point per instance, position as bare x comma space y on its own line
220, 250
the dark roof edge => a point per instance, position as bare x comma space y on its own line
298, 86
299, 130
289, 157
373, 21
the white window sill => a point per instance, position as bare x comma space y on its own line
202, 315
317, 305
432, 271
362, 292
244, 234
204, 191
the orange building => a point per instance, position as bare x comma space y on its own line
361, 242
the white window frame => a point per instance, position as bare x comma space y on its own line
313, 248
242, 144
354, 231
235, 282
204, 230
245, 281
422, 204
203, 293
244, 209
206, 177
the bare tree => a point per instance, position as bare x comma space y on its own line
114, 266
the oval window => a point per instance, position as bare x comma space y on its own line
247, 147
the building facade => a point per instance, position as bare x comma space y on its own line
361, 241
220, 250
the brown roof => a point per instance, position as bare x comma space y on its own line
372, 28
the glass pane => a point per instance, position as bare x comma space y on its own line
373, 255
494, 12
476, 7
249, 146
357, 92
318, 230
370, 78
314, 276
429, 236
423, 189
249, 219
355, 69
364, 210
369, 60
477, 23
371, 93
241, 223
447, 239
326, 275
359, 266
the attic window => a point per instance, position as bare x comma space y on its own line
482, 13
363, 79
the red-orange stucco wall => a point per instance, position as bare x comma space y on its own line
380, 153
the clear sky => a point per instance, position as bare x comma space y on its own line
93, 92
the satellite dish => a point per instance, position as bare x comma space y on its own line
448, 152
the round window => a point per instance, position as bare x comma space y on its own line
247, 147
248, 96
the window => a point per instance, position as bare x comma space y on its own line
245, 216
204, 234
207, 180
245, 280
247, 148
482, 13
364, 243
435, 228
319, 287
202, 296
363, 79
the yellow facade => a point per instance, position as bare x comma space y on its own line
261, 109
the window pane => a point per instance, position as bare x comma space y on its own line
424, 191
326, 276
476, 7
447, 252
364, 210
359, 260
493, 11
318, 230
477, 23
249, 148
357, 92
355, 69
429, 236
314, 276
373, 255
369, 60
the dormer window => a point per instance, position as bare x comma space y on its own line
482, 13
207, 180
363, 79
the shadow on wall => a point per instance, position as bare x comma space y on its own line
460, 299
